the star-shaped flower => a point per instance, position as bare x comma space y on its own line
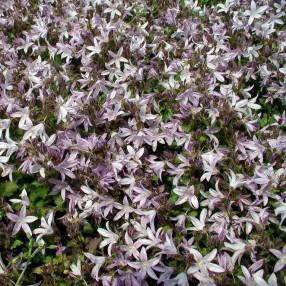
117, 58
21, 221
203, 265
187, 194
281, 255
46, 227
95, 49
254, 12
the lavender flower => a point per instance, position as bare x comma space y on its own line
254, 13
186, 195
76, 269
46, 227
21, 221
165, 123
281, 255
98, 261
110, 239
203, 265
145, 266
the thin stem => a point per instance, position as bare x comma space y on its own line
84, 282
21, 275
12, 281
25, 268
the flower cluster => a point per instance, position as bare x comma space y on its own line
160, 125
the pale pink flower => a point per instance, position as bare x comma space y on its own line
110, 238
157, 167
95, 49
76, 269
203, 265
199, 224
281, 255
98, 262
117, 58
131, 247
186, 194
145, 266
21, 221
46, 227
210, 159
125, 210
254, 12
24, 201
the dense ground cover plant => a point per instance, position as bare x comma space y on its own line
142, 142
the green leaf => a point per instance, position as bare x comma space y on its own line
173, 198
59, 202
166, 228
48, 259
53, 246
166, 113
57, 60
203, 139
193, 213
16, 243
101, 99
187, 127
263, 122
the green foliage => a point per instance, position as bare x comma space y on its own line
101, 99
8, 189
167, 114
209, 2
59, 202
52, 266
38, 193
187, 127
45, 55
173, 198
16, 243
266, 120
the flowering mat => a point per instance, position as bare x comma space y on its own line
142, 142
